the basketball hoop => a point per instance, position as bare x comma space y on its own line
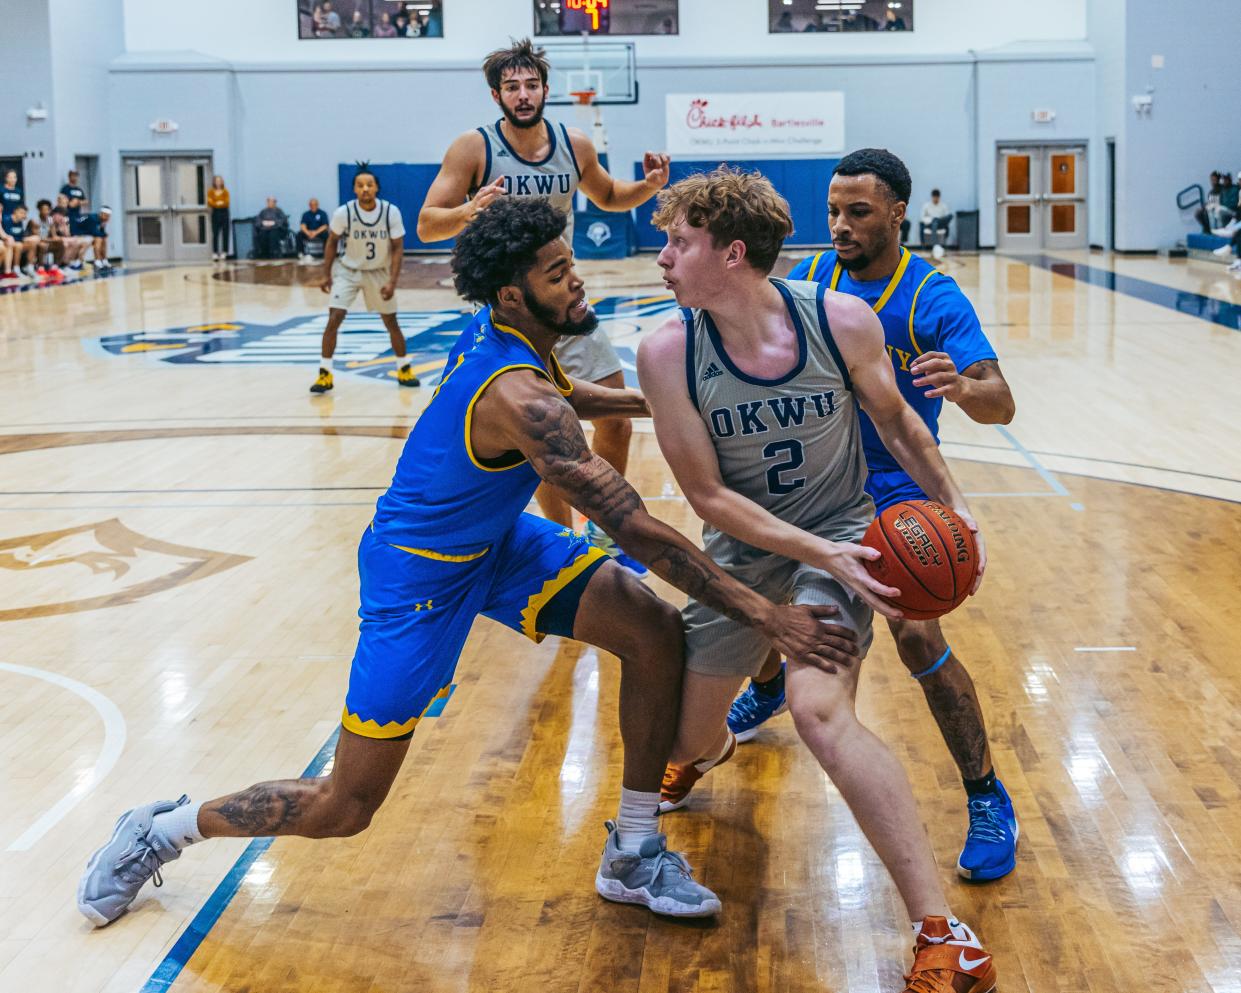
590, 118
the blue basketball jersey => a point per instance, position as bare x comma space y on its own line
444, 497
921, 310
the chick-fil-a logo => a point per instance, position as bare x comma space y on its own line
697, 117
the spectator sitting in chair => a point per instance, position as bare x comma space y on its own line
19, 251
94, 227
271, 227
55, 239
17, 227
934, 223
1211, 215
79, 241
313, 229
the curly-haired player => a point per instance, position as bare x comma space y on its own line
451, 540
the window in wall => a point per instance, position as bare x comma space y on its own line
370, 19
573, 17
798, 16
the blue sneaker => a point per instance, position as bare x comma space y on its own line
603, 541
753, 708
991, 845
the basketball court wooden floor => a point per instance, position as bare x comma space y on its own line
177, 530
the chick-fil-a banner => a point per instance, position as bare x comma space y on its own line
756, 123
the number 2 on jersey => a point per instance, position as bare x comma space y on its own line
795, 456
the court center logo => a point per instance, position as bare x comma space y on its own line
363, 348
100, 565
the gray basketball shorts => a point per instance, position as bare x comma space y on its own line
716, 645
589, 357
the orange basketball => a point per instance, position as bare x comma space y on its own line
928, 553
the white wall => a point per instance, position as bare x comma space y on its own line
266, 30
1009, 89
1106, 26
27, 82
1190, 130
85, 38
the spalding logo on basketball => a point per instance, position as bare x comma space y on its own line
928, 553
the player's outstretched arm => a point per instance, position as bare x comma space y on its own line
604, 190
448, 208
859, 336
980, 389
689, 451
537, 421
591, 401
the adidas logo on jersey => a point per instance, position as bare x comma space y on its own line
713, 370
503, 154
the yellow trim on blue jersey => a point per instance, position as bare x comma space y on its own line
913, 307
888, 290
530, 613
814, 264
558, 378
444, 378
469, 412
428, 553
371, 728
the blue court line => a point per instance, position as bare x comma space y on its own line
186, 945
1219, 312
1052, 482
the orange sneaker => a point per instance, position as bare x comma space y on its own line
679, 780
949, 958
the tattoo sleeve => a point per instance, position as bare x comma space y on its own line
557, 450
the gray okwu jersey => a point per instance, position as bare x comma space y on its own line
555, 177
791, 444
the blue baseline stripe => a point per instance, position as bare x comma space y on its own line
186, 945
1182, 301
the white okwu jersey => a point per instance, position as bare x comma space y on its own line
366, 236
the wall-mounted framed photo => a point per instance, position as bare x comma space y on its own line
330, 19
830, 16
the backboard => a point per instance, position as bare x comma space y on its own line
607, 67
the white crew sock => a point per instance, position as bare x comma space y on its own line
402, 361
179, 826
325, 362
637, 820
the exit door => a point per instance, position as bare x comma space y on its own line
166, 216
1042, 197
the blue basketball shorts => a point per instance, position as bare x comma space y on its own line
418, 605
889, 486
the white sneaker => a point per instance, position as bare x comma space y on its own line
28, 270
1236, 266
937, 253
1223, 251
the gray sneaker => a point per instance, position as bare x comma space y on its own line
654, 877
118, 870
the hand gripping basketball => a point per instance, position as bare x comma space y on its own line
929, 552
